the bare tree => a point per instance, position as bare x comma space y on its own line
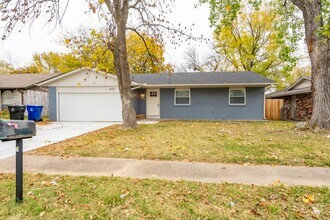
139, 16
212, 61
192, 61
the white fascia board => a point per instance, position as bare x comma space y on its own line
44, 83
70, 73
206, 85
61, 76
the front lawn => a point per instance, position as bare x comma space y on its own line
63, 197
273, 143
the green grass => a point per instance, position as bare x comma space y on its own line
63, 197
273, 143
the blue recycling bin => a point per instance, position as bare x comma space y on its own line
34, 112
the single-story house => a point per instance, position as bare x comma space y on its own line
298, 102
21, 89
88, 95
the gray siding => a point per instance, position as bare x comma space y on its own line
135, 100
52, 104
212, 103
139, 101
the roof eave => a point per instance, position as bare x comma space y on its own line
45, 82
297, 82
12, 88
287, 94
207, 85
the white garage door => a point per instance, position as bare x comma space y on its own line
99, 106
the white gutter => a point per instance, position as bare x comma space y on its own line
206, 85
139, 86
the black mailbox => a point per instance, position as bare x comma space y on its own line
16, 129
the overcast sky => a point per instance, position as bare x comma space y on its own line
20, 46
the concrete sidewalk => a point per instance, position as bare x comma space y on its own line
201, 172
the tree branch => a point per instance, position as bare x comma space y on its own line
145, 44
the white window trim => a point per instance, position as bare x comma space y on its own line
182, 97
244, 90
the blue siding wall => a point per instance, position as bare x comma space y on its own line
135, 100
52, 104
142, 102
139, 101
212, 103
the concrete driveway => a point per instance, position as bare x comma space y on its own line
52, 133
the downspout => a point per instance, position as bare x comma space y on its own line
265, 105
0, 100
265, 99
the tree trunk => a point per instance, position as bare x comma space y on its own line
319, 52
122, 70
124, 82
320, 58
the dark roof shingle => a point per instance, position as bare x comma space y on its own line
291, 90
23, 81
198, 78
283, 93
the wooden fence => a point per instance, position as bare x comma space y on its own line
273, 109
34, 97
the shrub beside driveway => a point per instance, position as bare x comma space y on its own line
272, 143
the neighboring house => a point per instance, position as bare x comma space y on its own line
21, 89
87, 95
298, 103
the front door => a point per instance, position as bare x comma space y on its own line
153, 103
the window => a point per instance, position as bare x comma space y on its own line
237, 97
153, 94
182, 97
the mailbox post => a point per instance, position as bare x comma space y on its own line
11, 130
19, 170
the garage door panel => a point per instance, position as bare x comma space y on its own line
90, 107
